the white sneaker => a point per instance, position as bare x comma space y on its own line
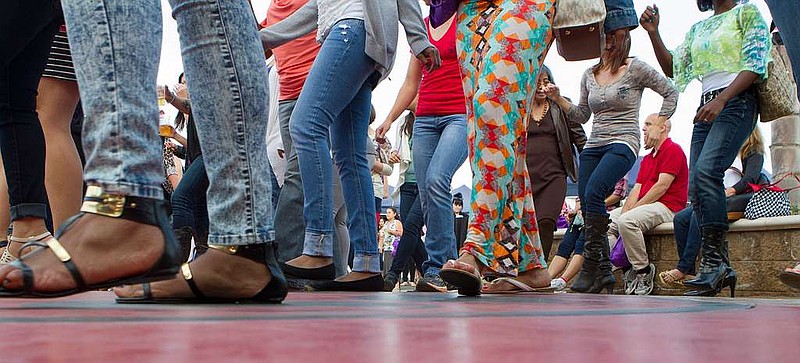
558, 283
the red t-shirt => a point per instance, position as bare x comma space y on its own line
441, 92
670, 159
293, 59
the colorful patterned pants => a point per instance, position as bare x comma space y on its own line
502, 44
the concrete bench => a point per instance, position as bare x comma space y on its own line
759, 249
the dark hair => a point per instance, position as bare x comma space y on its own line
392, 209
458, 199
372, 114
549, 74
180, 119
408, 124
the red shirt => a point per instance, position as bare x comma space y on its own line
670, 159
293, 59
441, 92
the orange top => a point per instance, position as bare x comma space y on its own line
293, 59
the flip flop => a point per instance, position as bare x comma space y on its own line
791, 277
463, 276
521, 287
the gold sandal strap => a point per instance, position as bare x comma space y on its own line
231, 250
58, 250
38, 237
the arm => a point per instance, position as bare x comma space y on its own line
410, 15
579, 113
613, 199
648, 77
657, 191
632, 200
302, 22
398, 231
179, 151
182, 104
620, 14
576, 134
753, 164
650, 20
408, 91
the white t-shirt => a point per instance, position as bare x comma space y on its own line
331, 11
717, 80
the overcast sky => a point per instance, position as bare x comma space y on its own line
677, 16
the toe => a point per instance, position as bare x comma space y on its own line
129, 291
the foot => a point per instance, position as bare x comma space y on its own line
464, 260
644, 282
356, 276
97, 251
217, 275
431, 282
536, 278
559, 284
310, 262
389, 282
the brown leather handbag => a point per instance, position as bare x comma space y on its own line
578, 27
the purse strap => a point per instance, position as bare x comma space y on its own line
774, 185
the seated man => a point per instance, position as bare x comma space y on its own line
661, 189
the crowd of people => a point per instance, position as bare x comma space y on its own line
477, 90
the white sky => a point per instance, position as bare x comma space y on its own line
676, 18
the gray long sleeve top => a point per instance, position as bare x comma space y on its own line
616, 105
381, 20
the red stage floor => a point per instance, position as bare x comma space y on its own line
406, 328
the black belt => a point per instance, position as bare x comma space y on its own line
708, 96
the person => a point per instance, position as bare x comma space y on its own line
553, 139
410, 245
460, 220
503, 236
738, 194
439, 145
612, 91
358, 44
390, 235
569, 257
728, 52
661, 189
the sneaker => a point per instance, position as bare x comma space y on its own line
644, 282
629, 277
389, 282
558, 284
431, 283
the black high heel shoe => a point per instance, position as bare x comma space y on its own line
141, 210
273, 293
715, 273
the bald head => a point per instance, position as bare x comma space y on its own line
656, 128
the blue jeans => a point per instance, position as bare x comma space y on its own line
116, 45
189, 204
785, 15
26, 33
572, 241
714, 147
335, 105
410, 245
440, 148
687, 237
599, 170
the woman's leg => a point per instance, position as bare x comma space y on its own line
502, 233
63, 172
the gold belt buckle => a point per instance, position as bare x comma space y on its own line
110, 205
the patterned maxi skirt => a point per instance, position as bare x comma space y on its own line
502, 45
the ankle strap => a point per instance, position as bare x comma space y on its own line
38, 237
256, 253
137, 209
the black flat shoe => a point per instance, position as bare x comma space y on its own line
372, 283
141, 210
273, 293
327, 272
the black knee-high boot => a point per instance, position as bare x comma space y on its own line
184, 237
715, 271
595, 273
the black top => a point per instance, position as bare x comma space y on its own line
192, 150
751, 173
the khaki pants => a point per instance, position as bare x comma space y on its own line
632, 226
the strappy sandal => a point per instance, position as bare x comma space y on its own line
7, 257
463, 276
520, 287
274, 293
669, 280
791, 276
142, 210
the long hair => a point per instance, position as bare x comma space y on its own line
624, 51
753, 145
408, 124
180, 119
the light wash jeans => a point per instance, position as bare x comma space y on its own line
116, 46
440, 148
333, 108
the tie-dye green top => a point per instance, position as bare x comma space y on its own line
735, 41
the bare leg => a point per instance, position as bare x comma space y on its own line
573, 267
556, 266
63, 172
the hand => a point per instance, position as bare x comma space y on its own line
380, 132
430, 59
181, 91
729, 192
394, 157
710, 111
168, 96
650, 19
170, 145
552, 91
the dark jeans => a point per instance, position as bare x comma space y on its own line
410, 245
27, 28
600, 169
785, 13
572, 241
714, 147
189, 205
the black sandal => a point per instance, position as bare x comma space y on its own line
274, 293
142, 210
